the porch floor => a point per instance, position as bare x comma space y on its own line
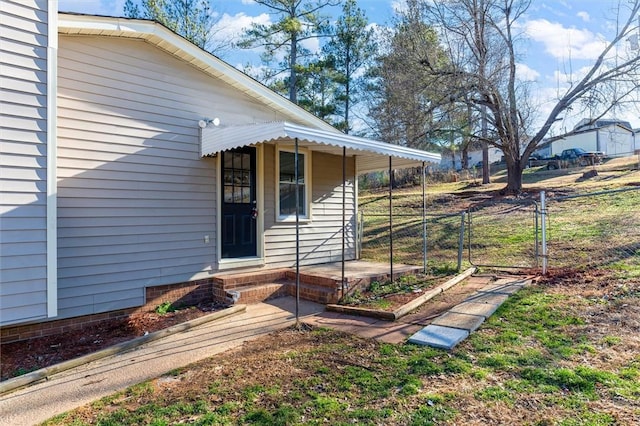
352, 269
356, 269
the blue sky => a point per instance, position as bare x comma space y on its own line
565, 37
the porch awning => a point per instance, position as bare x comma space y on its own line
370, 155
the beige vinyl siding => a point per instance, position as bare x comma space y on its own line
23, 160
135, 198
321, 237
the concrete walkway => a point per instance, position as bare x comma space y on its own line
89, 382
399, 331
456, 324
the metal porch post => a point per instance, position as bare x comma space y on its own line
424, 218
390, 218
344, 206
297, 198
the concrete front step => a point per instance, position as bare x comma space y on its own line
250, 294
256, 293
255, 287
232, 281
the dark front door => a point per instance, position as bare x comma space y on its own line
239, 203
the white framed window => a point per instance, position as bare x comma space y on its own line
286, 184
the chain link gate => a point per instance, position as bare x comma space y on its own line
504, 234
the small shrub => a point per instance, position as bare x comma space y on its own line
164, 308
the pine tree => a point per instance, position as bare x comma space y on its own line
299, 20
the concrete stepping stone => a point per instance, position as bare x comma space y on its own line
505, 288
471, 308
490, 298
457, 323
462, 321
439, 337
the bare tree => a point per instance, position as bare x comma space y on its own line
405, 102
482, 40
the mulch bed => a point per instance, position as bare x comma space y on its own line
22, 357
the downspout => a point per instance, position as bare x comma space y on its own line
52, 153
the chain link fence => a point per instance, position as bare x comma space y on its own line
594, 230
583, 231
442, 242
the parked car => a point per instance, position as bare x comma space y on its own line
576, 157
569, 158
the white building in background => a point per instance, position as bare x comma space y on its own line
615, 138
473, 158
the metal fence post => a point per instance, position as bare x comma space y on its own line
461, 241
360, 231
543, 218
536, 213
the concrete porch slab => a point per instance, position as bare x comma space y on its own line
358, 267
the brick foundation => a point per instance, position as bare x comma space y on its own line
50, 328
182, 294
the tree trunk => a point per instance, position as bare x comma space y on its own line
293, 76
464, 158
514, 178
486, 171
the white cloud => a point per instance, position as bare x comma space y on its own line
565, 43
399, 5
565, 79
311, 44
548, 92
231, 27
526, 73
584, 16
